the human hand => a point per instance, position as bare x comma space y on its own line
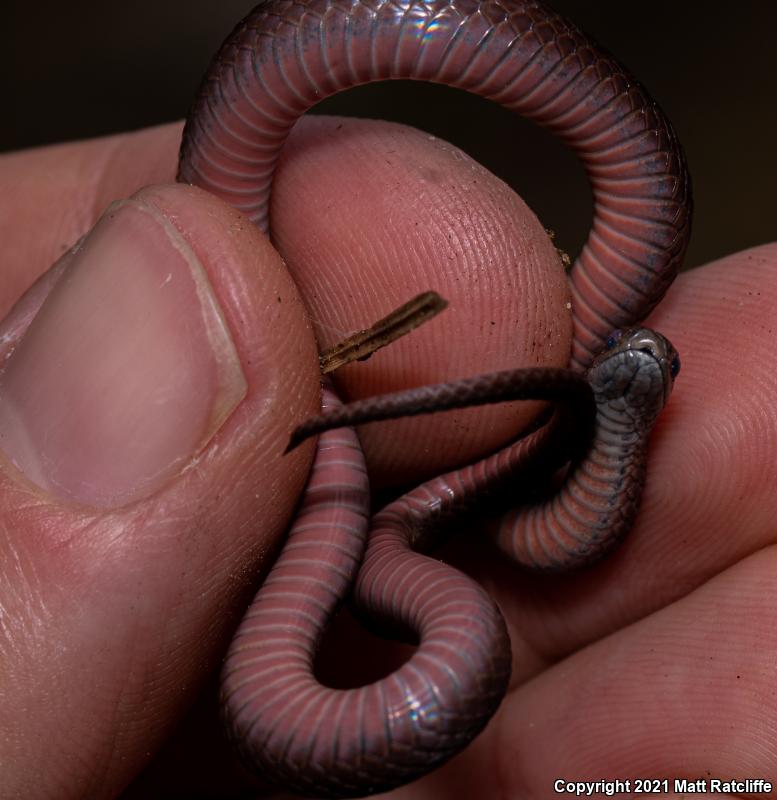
112, 619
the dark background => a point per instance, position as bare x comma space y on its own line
86, 68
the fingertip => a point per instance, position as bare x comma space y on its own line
369, 214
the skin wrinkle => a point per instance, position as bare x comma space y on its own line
44, 615
21, 575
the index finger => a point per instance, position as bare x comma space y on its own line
53, 195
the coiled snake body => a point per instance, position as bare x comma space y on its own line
284, 57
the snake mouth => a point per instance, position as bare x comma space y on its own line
669, 372
668, 361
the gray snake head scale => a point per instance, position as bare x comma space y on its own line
635, 374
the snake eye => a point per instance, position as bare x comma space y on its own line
674, 367
613, 339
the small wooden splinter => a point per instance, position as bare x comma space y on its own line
361, 345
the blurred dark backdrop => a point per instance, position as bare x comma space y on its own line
86, 68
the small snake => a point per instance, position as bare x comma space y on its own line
284, 57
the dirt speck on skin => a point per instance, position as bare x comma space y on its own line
563, 255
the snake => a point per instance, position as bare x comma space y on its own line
282, 59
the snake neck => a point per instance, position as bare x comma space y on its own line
594, 507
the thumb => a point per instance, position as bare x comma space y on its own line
148, 384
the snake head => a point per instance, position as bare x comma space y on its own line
636, 372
